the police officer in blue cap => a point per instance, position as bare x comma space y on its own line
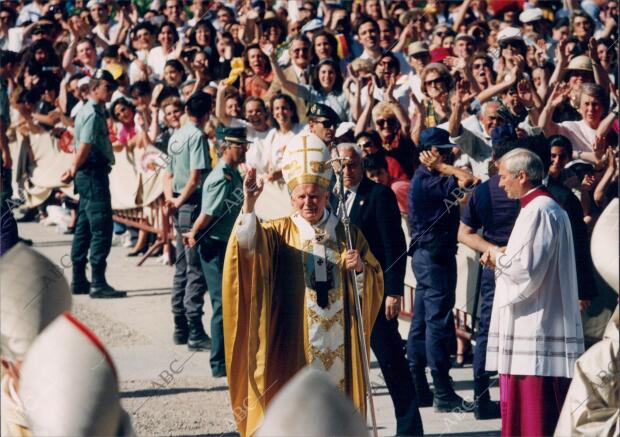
323, 121
435, 190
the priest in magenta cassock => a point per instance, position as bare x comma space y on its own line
535, 335
287, 291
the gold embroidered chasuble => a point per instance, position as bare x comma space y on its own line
273, 324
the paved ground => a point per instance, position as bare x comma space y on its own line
169, 390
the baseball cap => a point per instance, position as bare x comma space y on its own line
437, 137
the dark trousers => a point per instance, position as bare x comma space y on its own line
387, 345
188, 285
8, 225
487, 292
93, 229
432, 334
212, 254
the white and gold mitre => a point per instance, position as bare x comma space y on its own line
305, 162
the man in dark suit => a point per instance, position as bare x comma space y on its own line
373, 208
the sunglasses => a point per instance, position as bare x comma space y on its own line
435, 82
327, 124
441, 34
391, 122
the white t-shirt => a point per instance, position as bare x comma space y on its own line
579, 133
157, 61
257, 155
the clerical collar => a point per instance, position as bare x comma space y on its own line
533, 194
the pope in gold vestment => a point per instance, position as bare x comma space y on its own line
274, 323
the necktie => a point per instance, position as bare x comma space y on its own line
341, 211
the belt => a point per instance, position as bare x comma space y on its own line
193, 199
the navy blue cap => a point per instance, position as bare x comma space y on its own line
319, 110
503, 132
437, 137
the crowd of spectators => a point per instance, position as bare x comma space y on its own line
544, 69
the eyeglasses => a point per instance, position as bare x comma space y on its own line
390, 122
435, 82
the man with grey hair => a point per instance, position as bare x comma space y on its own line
473, 134
374, 210
535, 335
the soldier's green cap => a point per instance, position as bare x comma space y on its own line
231, 135
318, 110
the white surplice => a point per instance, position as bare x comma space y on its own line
535, 323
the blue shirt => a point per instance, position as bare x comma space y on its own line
91, 128
490, 208
433, 208
188, 150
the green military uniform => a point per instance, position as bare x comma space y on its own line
222, 199
93, 229
188, 150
